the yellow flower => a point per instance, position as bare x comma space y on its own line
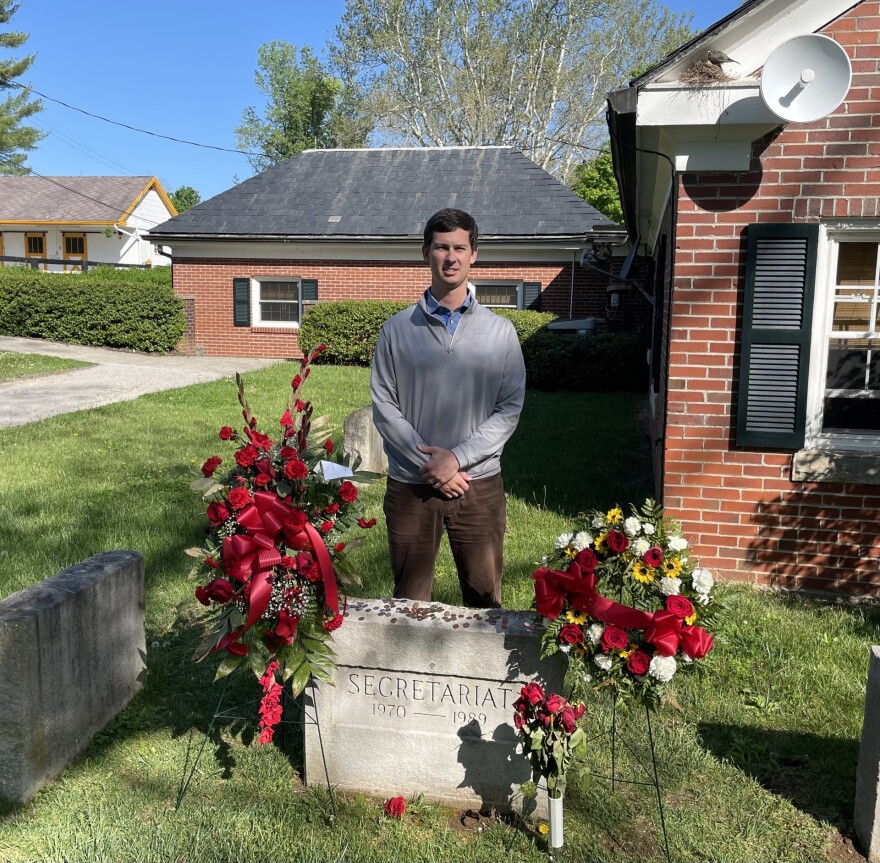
601, 543
575, 616
570, 553
543, 828
671, 567
643, 573
689, 620
625, 654
580, 650
614, 516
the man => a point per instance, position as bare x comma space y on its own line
447, 386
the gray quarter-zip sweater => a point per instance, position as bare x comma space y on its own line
462, 392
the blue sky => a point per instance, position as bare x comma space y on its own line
183, 69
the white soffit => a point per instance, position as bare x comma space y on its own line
695, 156
751, 38
736, 104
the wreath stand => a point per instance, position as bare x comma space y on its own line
650, 771
304, 716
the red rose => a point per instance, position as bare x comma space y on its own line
571, 633
653, 556
638, 663
211, 465
239, 498
326, 526
348, 492
227, 433
533, 693
217, 513
202, 595
296, 469
568, 718
237, 648
328, 446
340, 546
247, 455
209, 561
334, 623
613, 638
586, 560
331, 509
286, 626
366, 524
617, 541
680, 606
395, 807
518, 720
554, 703
220, 590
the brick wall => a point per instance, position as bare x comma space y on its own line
210, 281
747, 518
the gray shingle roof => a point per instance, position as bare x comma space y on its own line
390, 193
68, 199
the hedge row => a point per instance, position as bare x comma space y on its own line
133, 309
554, 360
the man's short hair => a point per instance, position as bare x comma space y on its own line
450, 219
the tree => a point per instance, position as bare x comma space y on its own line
594, 182
528, 73
16, 140
185, 198
306, 108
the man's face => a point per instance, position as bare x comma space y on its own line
450, 256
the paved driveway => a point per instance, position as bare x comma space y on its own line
116, 376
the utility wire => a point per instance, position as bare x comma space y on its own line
9, 82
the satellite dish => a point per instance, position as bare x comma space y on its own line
806, 78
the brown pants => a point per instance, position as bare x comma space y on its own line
475, 523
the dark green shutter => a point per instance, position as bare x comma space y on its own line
241, 302
532, 296
777, 324
309, 288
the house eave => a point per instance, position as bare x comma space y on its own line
541, 239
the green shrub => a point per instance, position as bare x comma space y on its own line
133, 309
526, 323
348, 328
564, 361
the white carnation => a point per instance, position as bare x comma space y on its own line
594, 632
647, 528
662, 667
581, 540
632, 525
640, 546
603, 661
598, 521
703, 582
670, 586
677, 543
564, 540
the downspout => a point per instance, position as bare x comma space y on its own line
571, 289
135, 235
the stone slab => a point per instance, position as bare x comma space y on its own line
867, 802
362, 441
72, 654
422, 703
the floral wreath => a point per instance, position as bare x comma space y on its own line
638, 647
274, 550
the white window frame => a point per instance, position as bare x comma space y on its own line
256, 307
490, 283
831, 236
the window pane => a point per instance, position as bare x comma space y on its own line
847, 365
278, 311
279, 291
853, 415
35, 245
497, 295
74, 245
852, 314
856, 263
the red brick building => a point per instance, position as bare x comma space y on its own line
347, 224
763, 235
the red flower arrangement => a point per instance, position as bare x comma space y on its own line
657, 626
274, 553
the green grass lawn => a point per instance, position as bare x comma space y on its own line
14, 365
757, 758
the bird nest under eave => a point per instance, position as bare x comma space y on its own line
703, 72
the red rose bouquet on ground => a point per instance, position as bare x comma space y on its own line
274, 550
626, 602
550, 736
